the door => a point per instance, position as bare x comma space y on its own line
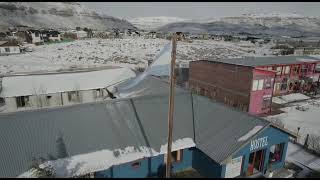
256, 161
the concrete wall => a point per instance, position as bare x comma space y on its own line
149, 167
226, 83
52, 100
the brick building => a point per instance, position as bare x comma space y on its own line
250, 83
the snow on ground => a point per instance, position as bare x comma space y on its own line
304, 115
130, 52
104, 159
289, 98
297, 154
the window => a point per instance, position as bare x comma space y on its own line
2, 101
260, 86
284, 84
22, 101
98, 93
177, 156
136, 165
36, 34
295, 69
279, 70
255, 85
49, 97
276, 153
266, 103
7, 49
73, 96
287, 70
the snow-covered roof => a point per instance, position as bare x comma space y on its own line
102, 134
23, 85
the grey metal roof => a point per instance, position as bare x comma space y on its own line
150, 85
114, 124
88, 128
218, 128
262, 61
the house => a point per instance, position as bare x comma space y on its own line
81, 34
250, 83
51, 35
35, 37
9, 47
59, 89
127, 137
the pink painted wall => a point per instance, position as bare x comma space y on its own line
256, 97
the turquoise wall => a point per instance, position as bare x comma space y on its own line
150, 167
195, 158
275, 136
205, 165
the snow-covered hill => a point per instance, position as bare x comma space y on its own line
149, 23
271, 23
64, 15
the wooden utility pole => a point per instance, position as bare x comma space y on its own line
171, 104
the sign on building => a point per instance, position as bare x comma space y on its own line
259, 143
233, 168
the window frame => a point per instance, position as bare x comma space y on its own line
22, 101
7, 49
280, 152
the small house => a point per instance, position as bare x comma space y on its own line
35, 37
9, 47
60, 88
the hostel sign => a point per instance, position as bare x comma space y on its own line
259, 143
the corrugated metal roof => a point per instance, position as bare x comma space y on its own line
88, 128
218, 128
150, 85
263, 61
119, 123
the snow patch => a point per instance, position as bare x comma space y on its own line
289, 98
104, 159
250, 133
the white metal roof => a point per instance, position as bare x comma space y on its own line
13, 86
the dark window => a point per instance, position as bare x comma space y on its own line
7, 49
36, 34
2, 101
49, 97
73, 96
177, 156
276, 153
136, 165
266, 103
22, 101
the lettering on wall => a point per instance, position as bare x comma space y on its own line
259, 143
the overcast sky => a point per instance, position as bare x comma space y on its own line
201, 10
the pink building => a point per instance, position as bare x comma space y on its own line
250, 83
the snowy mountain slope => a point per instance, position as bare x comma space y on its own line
272, 24
64, 15
149, 23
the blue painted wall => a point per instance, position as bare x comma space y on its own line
150, 167
275, 136
205, 165
198, 160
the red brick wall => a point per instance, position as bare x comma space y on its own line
226, 83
